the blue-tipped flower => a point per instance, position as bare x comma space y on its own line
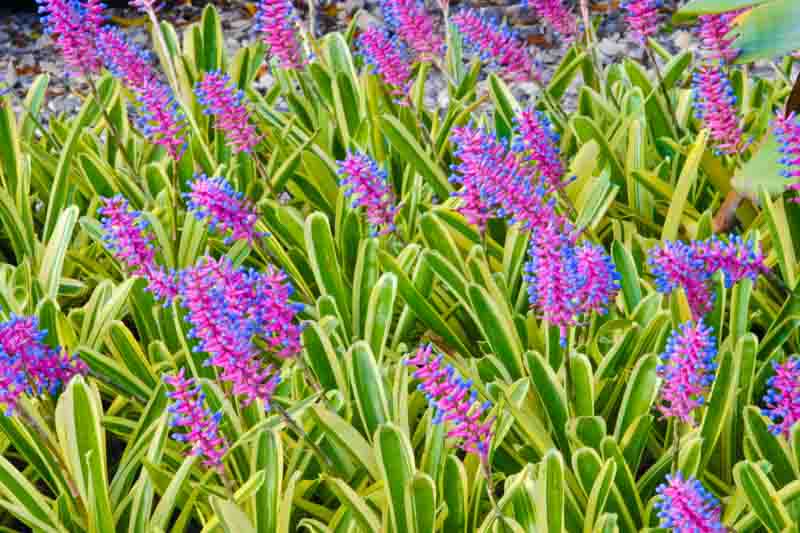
787, 131
497, 44
715, 105
216, 92
188, 411
28, 365
557, 15
686, 506
385, 56
687, 369
783, 397
368, 186
537, 137
642, 17
413, 24
127, 236
454, 401
226, 210
74, 25
277, 20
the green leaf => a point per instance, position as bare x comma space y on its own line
700, 7
498, 328
599, 495
361, 511
25, 496
639, 395
396, 459
347, 437
169, 499
324, 263
379, 314
768, 446
454, 493
685, 182
213, 40
550, 494
763, 170
52, 264
421, 502
720, 405
11, 157
767, 31
762, 496
781, 238
368, 390
631, 291
551, 393
231, 517
410, 150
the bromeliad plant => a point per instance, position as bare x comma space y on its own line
329, 307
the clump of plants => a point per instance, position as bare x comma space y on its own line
328, 307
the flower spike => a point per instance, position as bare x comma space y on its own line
715, 34
537, 136
368, 186
385, 56
216, 92
225, 209
642, 17
787, 131
277, 21
783, 397
188, 410
715, 105
455, 401
687, 369
413, 24
556, 14
685, 506
75, 24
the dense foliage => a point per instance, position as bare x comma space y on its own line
326, 307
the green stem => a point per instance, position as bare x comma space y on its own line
291, 422
114, 132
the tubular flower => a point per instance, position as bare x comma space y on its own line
368, 186
383, 54
277, 20
188, 411
787, 131
677, 264
218, 95
160, 117
783, 397
537, 136
642, 17
687, 369
29, 365
496, 44
74, 23
228, 307
685, 506
715, 34
225, 209
555, 13
495, 182
691, 265
126, 236
455, 401
715, 105
414, 25
598, 279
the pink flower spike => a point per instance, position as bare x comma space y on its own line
684, 505
715, 105
413, 24
715, 34
225, 209
687, 369
557, 15
74, 25
385, 57
539, 139
783, 397
188, 411
642, 17
454, 401
496, 44
226, 104
276, 20
126, 236
787, 131
369, 187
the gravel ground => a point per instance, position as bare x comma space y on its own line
26, 52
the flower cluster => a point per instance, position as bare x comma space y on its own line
783, 397
229, 308
414, 25
160, 117
496, 44
642, 17
685, 506
690, 266
538, 138
188, 410
216, 92
126, 236
455, 401
687, 369
215, 200
715, 105
556, 14
368, 186
277, 20
715, 35
787, 131
385, 56
566, 280
74, 25
28, 365
496, 182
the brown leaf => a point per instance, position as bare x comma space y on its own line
793, 103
